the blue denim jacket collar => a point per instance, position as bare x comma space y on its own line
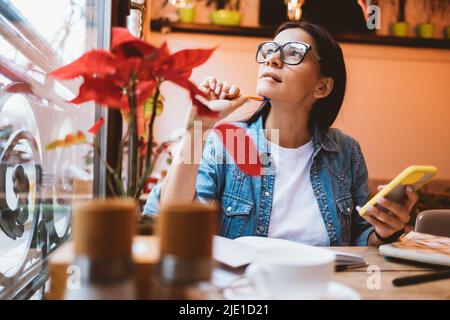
321, 138
324, 140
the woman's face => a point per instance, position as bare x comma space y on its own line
295, 83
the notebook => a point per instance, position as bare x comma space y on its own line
419, 247
242, 251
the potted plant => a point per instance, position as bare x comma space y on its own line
400, 27
186, 13
185, 9
128, 78
226, 12
432, 7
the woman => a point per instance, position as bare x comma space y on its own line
320, 175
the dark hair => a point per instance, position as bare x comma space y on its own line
332, 65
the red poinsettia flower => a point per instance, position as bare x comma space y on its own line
109, 76
128, 78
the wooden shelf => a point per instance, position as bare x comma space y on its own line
268, 31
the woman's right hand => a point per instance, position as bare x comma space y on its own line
223, 97
226, 99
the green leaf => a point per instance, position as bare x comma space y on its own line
148, 106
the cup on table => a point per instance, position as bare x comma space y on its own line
291, 273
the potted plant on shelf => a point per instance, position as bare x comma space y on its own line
226, 12
400, 27
432, 8
185, 9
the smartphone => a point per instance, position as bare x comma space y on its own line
413, 176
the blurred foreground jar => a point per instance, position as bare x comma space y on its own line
103, 231
186, 231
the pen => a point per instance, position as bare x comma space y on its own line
421, 278
258, 98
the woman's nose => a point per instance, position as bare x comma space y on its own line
274, 60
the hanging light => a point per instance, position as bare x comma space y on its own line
294, 9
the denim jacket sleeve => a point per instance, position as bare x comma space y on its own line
361, 229
208, 178
210, 173
152, 204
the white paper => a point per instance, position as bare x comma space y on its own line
242, 251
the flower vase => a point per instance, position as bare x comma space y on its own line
425, 30
186, 14
399, 29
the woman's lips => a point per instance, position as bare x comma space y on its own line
271, 76
270, 79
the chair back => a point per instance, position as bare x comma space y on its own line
434, 222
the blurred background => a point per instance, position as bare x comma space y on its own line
397, 104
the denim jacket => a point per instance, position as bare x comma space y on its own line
338, 176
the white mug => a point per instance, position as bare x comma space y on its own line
291, 273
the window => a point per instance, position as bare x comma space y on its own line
38, 187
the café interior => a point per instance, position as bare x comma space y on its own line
94, 101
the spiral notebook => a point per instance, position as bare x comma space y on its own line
420, 247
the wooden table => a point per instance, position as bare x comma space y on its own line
358, 278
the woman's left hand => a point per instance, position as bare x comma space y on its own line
396, 216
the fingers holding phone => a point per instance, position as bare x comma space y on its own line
385, 225
388, 216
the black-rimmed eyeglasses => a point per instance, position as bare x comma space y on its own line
291, 53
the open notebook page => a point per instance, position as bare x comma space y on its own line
242, 251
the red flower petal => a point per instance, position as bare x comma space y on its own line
126, 45
152, 65
97, 125
201, 109
124, 71
95, 62
164, 50
241, 148
182, 62
99, 90
120, 36
144, 89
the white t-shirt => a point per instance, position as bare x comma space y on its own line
295, 212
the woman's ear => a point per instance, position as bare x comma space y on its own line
324, 88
